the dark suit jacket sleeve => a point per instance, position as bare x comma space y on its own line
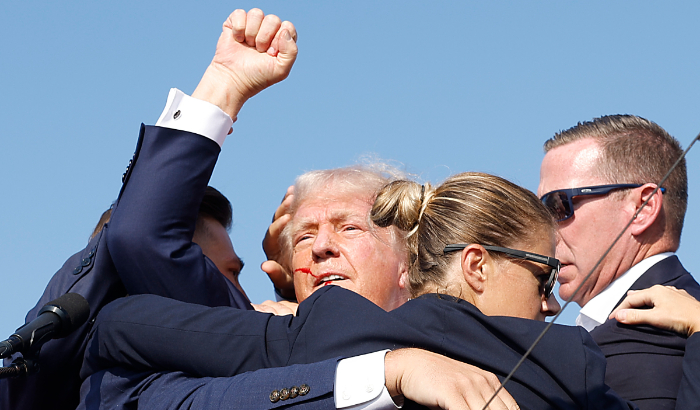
689, 392
599, 395
150, 235
119, 388
146, 332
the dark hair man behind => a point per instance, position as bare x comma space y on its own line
595, 176
41, 390
211, 234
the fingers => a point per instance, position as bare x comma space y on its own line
671, 309
439, 382
253, 21
635, 299
280, 220
286, 203
276, 308
271, 242
478, 388
237, 23
289, 27
288, 51
263, 32
268, 30
241, 66
283, 281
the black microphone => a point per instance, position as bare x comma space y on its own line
56, 319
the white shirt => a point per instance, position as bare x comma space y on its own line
597, 310
359, 380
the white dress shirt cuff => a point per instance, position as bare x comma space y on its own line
359, 383
185, 113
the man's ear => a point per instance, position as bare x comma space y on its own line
474, 261
651, 211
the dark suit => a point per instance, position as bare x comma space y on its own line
123, 389
645, 364
146, 248
566, 370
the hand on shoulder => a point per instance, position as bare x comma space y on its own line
664, 307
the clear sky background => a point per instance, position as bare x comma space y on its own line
439, 87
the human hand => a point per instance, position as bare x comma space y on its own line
254, 52
277, 308
280, 277
671, 309
436, 381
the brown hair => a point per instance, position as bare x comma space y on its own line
104, 218
636, 151
467, 208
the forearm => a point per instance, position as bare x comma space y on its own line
252, 390
147, 332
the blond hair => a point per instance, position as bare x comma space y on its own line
470, 207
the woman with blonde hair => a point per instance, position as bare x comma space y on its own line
482, 271
477, 237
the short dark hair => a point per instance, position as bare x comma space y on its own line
217, 207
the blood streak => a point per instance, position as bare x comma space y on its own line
305, 270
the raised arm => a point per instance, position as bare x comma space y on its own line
150, 235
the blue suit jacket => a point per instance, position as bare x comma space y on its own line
566, 370
146, 248
645, 364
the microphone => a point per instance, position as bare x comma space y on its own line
56, 319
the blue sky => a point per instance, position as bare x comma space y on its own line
439, 87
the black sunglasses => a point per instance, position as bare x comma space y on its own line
553, 263
561, 204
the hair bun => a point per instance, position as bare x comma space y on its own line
399, 203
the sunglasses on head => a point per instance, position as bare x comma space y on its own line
560, 202
553, 263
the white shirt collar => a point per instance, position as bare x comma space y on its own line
597, 310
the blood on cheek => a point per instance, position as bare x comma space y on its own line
305, 270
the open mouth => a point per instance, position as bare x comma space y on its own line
327, 280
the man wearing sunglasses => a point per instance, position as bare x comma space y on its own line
595, 177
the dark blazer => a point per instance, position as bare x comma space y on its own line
566, 370
146, 248
645, 364
119, 388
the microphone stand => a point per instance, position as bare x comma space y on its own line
20, 367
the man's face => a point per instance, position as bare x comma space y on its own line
597, 220
333, 244
216, 245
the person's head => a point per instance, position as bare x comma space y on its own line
331, 240
478, 211
211, 234
612, 150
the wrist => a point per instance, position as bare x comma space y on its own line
220, 89
393, 373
